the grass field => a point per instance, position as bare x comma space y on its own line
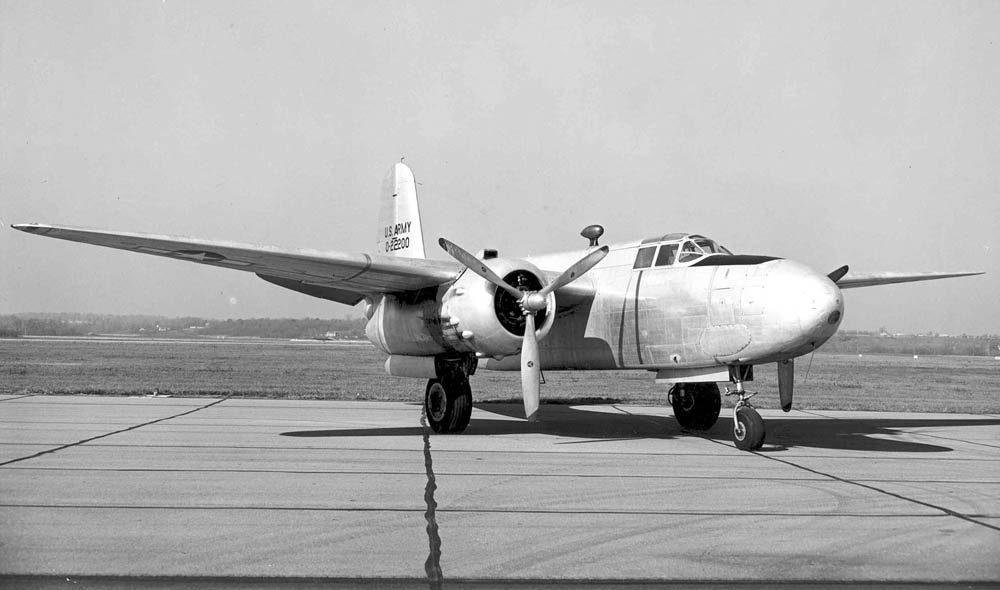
283, 369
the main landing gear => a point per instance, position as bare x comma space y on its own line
448, 398
748, 426
696, 405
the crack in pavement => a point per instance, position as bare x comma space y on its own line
107, 434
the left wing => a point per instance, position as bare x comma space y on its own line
345, 278
847, 280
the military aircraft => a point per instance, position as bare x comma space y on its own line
679, 304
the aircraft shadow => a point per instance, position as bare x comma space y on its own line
856, 434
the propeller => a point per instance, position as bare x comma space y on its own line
531, 302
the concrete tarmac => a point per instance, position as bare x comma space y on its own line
274, 491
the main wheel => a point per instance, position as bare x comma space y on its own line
448, 404
748, 432
696, 405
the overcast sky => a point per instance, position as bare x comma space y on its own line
861, 133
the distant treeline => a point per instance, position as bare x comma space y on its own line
74, 324
846, 341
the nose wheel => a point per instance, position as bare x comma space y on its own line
748, 426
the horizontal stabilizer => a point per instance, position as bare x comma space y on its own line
853, 280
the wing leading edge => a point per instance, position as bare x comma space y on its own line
345, 278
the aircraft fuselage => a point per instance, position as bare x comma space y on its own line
724, 310
684, 318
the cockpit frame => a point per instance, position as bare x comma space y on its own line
676, 250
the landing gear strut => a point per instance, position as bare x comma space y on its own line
748, 426
448, 399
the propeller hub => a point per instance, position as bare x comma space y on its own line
533, 302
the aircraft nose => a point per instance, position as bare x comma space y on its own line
821, 307
815, 300
808, 298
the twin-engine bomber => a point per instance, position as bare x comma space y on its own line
679, 304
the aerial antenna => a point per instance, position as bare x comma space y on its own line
593, 233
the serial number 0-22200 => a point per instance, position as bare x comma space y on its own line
394, 244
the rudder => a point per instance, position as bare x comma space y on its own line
399, 232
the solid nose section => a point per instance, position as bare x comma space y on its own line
804, 308
820, 306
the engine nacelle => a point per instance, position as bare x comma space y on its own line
476, 316
406, 327
469, 316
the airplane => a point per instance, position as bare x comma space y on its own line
677, 304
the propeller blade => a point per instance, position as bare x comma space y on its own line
478, 266
530, 368
575, 271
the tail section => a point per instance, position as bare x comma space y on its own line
399, 232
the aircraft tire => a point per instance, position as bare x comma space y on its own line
696, 405
448, 405
748, 432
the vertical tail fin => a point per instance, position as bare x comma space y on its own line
399, 232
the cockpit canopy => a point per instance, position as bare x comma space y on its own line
676, 250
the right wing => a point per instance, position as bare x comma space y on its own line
345, 278
849, 280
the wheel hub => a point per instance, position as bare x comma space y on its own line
437, 403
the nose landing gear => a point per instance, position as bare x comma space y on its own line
748, 426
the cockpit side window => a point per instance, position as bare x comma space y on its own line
644, 259
668, 253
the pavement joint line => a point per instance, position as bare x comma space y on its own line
18, 397
449, 474
86, 440
484, 451
873, 488
917, 432
270, 582
402, 450
457, 510
75, 398
961, 440
486, 474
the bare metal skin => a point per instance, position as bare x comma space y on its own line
681, 305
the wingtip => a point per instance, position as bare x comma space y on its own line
31, 228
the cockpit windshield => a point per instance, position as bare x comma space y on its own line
709, 246
676, 250
695, 247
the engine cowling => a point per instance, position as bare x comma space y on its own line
471, 315
478, 317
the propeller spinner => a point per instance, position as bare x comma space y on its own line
531, 302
